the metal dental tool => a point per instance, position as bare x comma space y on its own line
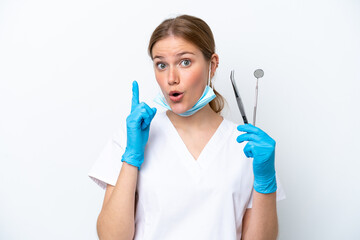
238, 99
259, 73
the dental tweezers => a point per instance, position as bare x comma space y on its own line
238, 98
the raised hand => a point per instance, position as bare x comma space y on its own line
260, 147
137, 126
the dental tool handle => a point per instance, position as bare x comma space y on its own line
256, 98
242, 110
245, 119
254, 116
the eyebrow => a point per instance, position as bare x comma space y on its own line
177, 55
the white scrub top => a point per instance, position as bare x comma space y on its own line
180, 197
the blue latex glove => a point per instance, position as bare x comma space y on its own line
137, 126
260, 147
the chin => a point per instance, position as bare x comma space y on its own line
179, 109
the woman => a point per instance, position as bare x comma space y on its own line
187, 176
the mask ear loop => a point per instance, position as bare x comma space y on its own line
209, 80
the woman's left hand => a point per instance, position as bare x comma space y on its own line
260, 147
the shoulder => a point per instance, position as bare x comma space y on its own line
159, 121
230, 122
231, 133
159, 126
159, 117
230, 126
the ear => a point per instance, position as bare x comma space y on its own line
214, 64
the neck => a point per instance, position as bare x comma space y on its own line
201, 118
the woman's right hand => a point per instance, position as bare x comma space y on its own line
137, 126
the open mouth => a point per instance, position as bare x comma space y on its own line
175, 93
175, 96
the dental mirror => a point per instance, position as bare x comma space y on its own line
259, 73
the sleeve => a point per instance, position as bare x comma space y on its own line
107, 166
280, 193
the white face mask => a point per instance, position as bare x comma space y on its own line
207, 96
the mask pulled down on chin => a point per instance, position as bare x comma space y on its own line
207, 96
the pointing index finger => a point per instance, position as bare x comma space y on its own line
135, 95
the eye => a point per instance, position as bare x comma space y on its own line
161, 65
185, 62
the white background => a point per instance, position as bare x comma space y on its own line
66, 69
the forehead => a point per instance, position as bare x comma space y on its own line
172, 45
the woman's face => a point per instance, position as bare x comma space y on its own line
181, 72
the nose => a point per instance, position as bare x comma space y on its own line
173, 77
